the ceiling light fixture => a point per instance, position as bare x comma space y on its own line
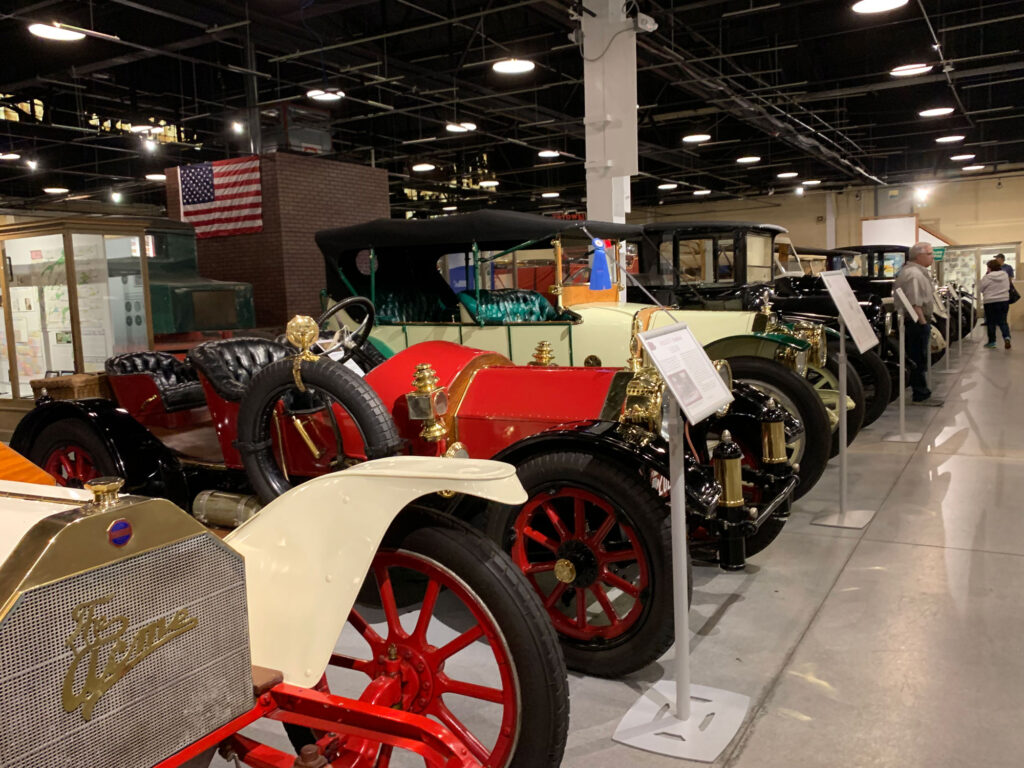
32, 164
921, 194
10, 156
788, 175
909, 70
513, 66
799, 191
973, 168
962, 158
489, 183
549, 194
878, 6
325, 94
423, 167
237, 126
668, 185
748, 159
936, 112
548, 153
55, 190
55, 32
450, 208
156, 177
811, 182
116, 197
697, 138
460, 127
149, 145
700, 192
949, 139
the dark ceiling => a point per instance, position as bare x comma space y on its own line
804, 84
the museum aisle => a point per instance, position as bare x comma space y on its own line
902, 644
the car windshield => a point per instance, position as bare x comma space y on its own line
759, 258
855, 265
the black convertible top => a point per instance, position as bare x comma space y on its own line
491, 230
824, 251
698, 227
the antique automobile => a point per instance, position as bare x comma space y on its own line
133, 636
727, 266
245, 419
506, 281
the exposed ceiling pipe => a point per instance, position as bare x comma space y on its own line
947, 66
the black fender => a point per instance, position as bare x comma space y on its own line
603, 438
749, 405
149, 467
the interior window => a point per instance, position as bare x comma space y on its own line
759, 258
724, 261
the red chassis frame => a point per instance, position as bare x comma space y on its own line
350, 731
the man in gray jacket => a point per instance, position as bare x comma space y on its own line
916, 282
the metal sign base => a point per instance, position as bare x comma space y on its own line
850, 518
715, 718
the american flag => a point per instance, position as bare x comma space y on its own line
222, 197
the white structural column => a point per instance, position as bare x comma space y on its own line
830, 220
609, 81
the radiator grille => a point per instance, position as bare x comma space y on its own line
190, 685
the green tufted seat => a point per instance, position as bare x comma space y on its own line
507, 305
411, 306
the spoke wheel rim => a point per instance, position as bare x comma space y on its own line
424, 679
71, 465
572, 524
795, 448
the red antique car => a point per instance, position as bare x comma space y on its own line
246, 417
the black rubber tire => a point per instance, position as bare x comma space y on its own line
855, 391
67, 433
519, 615
874, 378
372, 418
766, 534
637, 504
810, 412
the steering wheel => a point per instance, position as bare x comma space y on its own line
350, 340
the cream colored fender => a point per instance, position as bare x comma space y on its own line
307, 552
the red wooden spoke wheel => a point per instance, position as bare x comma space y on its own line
587, 565
447, 618
71, 465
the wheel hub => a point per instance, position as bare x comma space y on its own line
416, 676
577, 563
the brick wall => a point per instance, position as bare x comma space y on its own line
300, 196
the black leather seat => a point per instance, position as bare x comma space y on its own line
231, 363
176, 381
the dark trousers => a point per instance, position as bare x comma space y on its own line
918, 348
995, 314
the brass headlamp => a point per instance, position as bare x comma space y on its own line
728, 461
813, 334
428, 402
773, 435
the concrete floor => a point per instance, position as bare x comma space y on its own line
901, 644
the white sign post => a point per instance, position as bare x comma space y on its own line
850, 316
903, 436
675, 718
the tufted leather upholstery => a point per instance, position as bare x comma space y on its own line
411, 306
508, 305
176, 381
231, 363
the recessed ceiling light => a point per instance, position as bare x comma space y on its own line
949, 139
548, 153
149, 145
811, 182
699, 192
788, 175
325, 94
878, 6
973, 168
748, 159
53, 32
549, 194
450, 208
423, 167
116, 197
936, 112
909, 70
487, 183
156, 177
513, 66
32, 164
668, 185
697, 138
10, 156
962, 158
55, 190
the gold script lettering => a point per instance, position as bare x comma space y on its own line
100, 648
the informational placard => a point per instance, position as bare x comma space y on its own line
901, 297
939, 252
849, 309
687, 370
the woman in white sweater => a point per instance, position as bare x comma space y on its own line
995, 294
